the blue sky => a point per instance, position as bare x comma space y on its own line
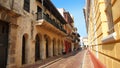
75, 7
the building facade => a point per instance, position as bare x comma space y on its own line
72, 40
68, 27
103, 23
76, 39
85, 41
30, 30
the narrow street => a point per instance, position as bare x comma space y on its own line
79, 60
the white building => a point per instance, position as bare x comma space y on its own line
85, 41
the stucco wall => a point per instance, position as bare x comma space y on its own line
107, 53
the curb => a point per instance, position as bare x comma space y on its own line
43, 66
96, 62
83, 60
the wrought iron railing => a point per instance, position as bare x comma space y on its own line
47, 18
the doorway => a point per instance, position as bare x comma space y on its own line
4, 31
37, 48
23, 49
47, 55
53, 47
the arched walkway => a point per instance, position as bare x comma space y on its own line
48, 45
37, 47
55, 50
24, 46
63, 47
59, 47
4, 36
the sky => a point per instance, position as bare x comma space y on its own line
74, 7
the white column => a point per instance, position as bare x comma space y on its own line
72, 46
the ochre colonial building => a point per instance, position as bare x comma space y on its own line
72, 39
103, 23
30, 30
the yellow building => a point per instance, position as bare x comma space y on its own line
103, 23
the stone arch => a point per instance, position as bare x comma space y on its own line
63, 47
70, 46
54, 47
38, 46
59, 47
24, 48
47, 45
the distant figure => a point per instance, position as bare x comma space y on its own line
63, 52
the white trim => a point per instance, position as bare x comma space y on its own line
83, 62
39, 22
109, 38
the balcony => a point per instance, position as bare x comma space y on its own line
76, 40
52, 9
50, 21
69, 36
11, 8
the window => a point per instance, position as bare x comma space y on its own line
39, 13
39, 9
27, 5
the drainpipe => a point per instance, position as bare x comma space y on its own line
11, 4
42, 8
